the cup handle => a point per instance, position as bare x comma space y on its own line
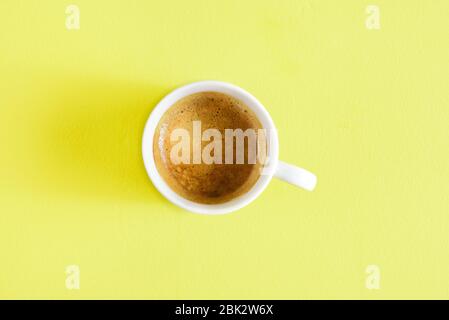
295, 175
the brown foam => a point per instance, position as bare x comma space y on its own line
206, 183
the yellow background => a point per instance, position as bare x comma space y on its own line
366, 110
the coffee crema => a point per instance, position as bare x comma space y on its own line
212, 183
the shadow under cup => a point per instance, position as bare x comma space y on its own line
192, 152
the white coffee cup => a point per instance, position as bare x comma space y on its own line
289, 173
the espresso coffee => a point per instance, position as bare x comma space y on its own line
192, 178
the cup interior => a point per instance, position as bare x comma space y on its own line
204, 86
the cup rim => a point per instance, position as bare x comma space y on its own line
204, 86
